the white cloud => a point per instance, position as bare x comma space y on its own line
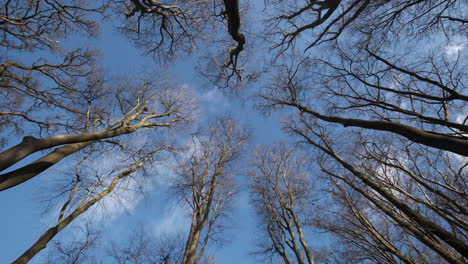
125, 197
176, 219
213, 100
164, 173
452, 51
213, 95
455, 47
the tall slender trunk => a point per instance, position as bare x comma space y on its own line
294, 246
192, 244
430, 229
41, 243
304, 244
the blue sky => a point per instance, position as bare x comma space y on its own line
24, 219
24, 216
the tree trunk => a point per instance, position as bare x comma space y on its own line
192, 245
41, 243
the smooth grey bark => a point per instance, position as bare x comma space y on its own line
30, 144
73, 143
45, 238
33, 169
444, 142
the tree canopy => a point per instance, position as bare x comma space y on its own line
371, 97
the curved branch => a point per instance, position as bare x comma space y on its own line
452, 144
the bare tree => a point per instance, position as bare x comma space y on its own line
51, 82
365, 233
323, 22
231, 15
171, 28
77, 250
205, 181
166, 28
161, 28
148, 110
34, 24
143, 247
389, 95
86, 192
379, 96
281, 194
402, 193
389, 126
60, 100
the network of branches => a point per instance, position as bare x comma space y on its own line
372, 166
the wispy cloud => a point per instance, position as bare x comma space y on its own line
213, 101
164, 173
176, 219
455, 47
124, 198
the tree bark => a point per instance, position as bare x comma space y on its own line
30, 145
27, 172
41, 243
452, 144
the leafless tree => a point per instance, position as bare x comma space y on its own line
389, 97
143, 247
150, 109
379, 94
281, 194
411, 195
322, 22
77, 250
35, 24
87, 191
390, 130
205, 181
165, 28
231, 16
57, 81
368, 234
60, 99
